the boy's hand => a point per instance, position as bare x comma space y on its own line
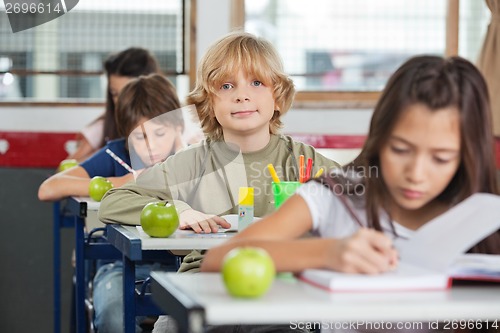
200, 222
367, 251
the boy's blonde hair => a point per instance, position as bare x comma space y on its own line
258, 58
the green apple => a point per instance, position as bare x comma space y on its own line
248, 272
159, 219
67, 164
98, 187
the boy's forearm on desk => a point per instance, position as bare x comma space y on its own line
120, 181
124, 206
120, 206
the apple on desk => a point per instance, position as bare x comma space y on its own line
248, 272
98, 187
67, 164
159, 219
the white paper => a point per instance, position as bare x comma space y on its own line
442, 240
406, 277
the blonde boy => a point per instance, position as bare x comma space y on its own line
240, 96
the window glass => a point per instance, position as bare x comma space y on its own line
78, 42
473, 23
355, 45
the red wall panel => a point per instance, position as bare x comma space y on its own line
32, 149
41, 149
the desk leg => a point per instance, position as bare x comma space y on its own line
80, 275
190, 315
129, 295
57, 266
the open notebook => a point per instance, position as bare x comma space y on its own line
434, 256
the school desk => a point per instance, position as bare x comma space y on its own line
136, 246
72, 212
197, 300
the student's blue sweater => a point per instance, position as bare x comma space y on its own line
102, 164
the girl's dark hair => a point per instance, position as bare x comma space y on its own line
147, 97
132, 62
436, 83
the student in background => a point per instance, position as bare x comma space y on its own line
429, 147
240, 96
120, 68
149, 116
143, 99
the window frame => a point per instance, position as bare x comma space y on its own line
189, 65
354, 99
303, 99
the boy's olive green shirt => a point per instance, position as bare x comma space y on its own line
207, 177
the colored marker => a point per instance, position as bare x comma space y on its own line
319, 173
273, 173
308, 169
301, 168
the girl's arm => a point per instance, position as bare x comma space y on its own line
277, 233
72, 182
367, 251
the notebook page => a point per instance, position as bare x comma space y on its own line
440, 241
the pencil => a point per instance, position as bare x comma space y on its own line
273, 173
308, 169
319, 173
120, 161
301, 168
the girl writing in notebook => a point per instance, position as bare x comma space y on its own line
120, 69
149, 141
429, 147
150, 123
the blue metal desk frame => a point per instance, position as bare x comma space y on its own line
72, 213
60, 221
135, 302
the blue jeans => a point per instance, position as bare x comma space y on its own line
108, 294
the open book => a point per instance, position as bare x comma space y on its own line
434, 256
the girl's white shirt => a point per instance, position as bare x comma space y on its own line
331, 218
93, 132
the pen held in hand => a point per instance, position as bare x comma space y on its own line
120, 161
